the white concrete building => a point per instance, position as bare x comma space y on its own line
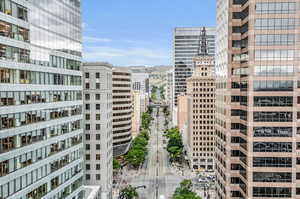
40, 100
98, 126
122, 110
140, 81
92, 192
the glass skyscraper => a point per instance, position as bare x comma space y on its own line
40, 99
186, 46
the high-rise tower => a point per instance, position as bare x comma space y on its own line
257, 68
40, 99
122, 110
186, 46
201, 109
98, 126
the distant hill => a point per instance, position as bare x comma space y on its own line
149, 69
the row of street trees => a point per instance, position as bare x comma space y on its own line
138, 150
146, 120
175, 144
162, 92
153, 93
184, 191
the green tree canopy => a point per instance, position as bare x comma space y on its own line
184, 191
138, 150
129, 192
146, 120
116, 164
175, 144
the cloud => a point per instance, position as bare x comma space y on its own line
127, 56
89, 39
87, 28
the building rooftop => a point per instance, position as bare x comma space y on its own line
106, 64
92, 192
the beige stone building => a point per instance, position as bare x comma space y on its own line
257, 99
201, 114
122, 110
136, 116
182, 113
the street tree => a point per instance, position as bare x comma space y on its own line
146, 120
129, 192
116, 164
175, 144
184, 191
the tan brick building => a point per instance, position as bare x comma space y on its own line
182, 112
257, 99
201, 111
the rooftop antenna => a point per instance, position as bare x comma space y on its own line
202, 51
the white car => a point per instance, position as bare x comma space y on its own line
162, 197
201, 180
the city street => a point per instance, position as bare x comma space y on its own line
156, 173
160, 178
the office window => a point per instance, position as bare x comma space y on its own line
97, 85
272, 116
272, 147
275, 39
87, 156
87, 106
87, 96
272, 162
272, 192
274, 54
97, 156
97, 96
87, 116
97, 146
97, 166
297, 191
263, 101
275, 8
97, 116
87, 75
87, 147
87, 127
87, 85
97, 106
98, 126
87, 176
271, 71
97, 75
275, 24
273, 85
87, 136
272, 131
98, 177
98, 136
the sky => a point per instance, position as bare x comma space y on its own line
139, 32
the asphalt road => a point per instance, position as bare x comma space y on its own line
156, 172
